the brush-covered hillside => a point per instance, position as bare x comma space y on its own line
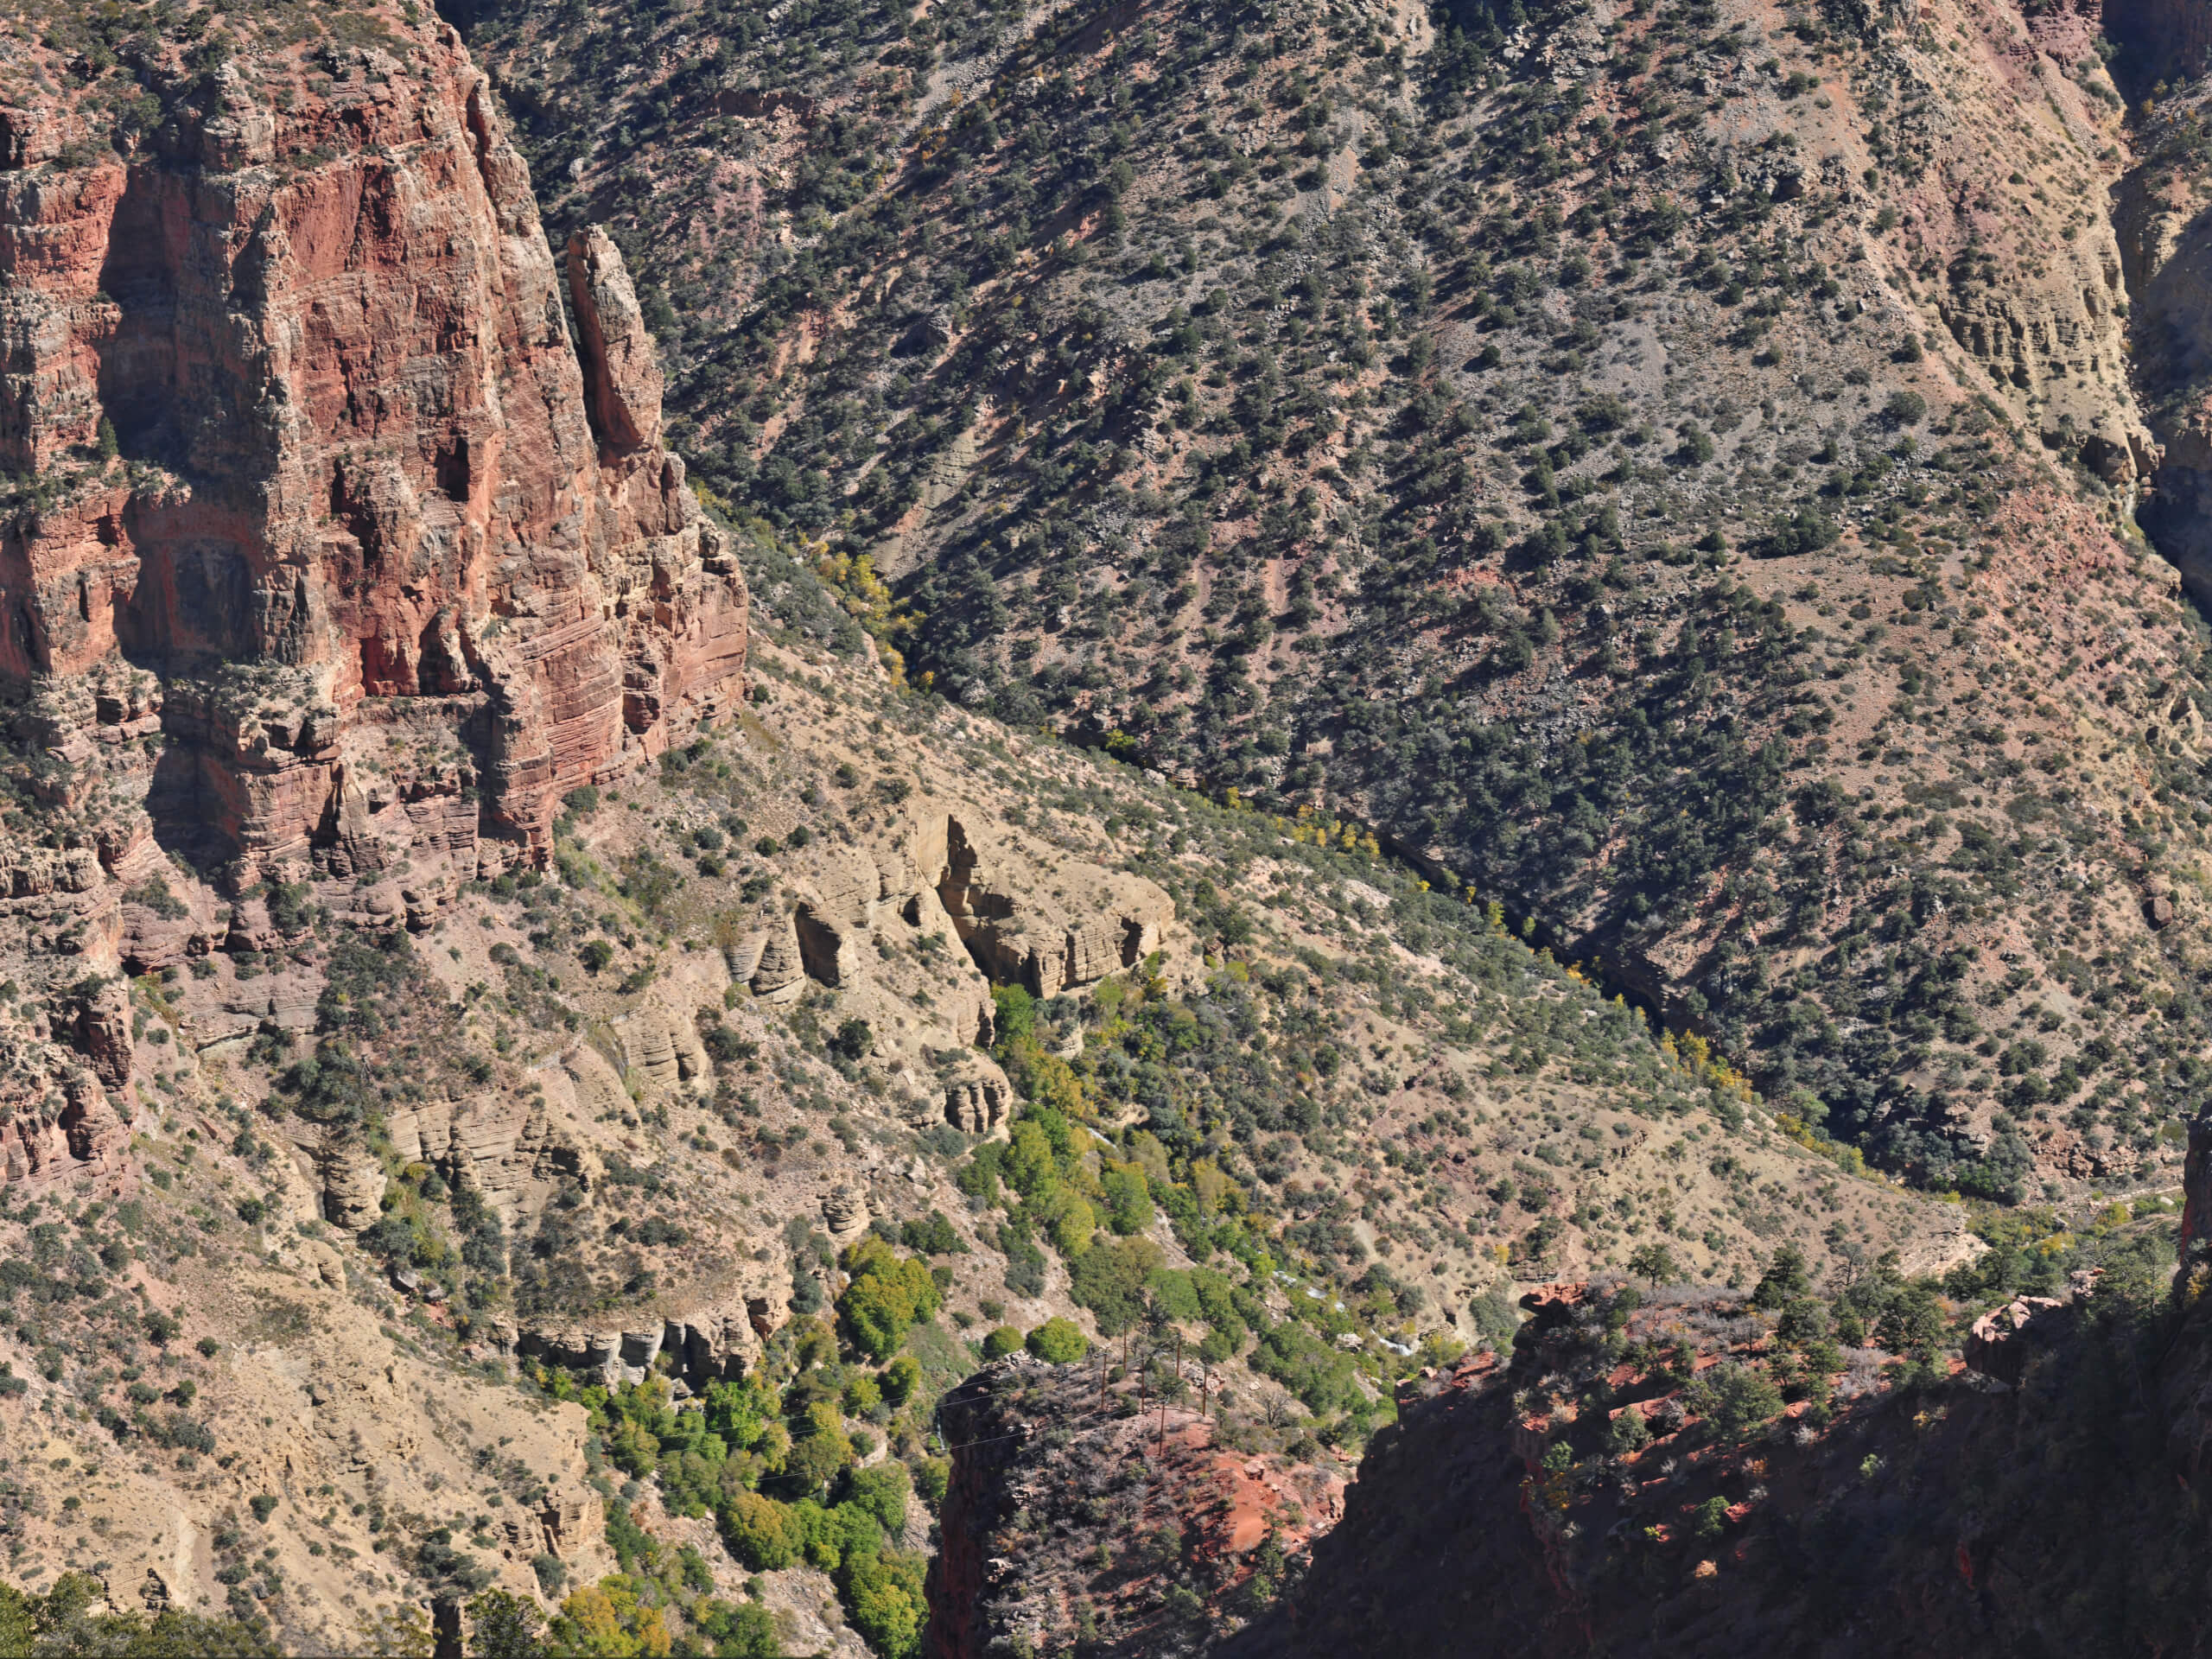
1673, 467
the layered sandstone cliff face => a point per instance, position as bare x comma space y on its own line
361, 572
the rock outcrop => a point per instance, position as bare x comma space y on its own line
1088, 923
661, 1047
715, 1338
978, 1099
1999, 1344
844, 1215
317, 479
1037, 1449
59, 1135
490, 1144
625, 383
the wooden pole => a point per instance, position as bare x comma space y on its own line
1125, 1348
1163, 1399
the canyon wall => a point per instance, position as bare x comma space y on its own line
2166, 241
2175, 35
312, 484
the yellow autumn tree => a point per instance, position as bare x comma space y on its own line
606, 1621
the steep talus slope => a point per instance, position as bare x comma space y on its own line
1670, 467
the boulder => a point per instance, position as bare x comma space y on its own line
1998, 1347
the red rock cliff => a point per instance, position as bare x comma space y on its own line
356, 559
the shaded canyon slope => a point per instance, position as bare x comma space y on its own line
2044, 1500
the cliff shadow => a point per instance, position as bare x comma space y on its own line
187, 812
136, 378
2153, 44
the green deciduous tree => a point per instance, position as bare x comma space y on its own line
888, 1295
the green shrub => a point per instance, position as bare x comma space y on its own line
1058, 1342
830, 1536
820, 1447
1710, 1519
881, 1490
882, 1593
504, 1626
933, 1478
1785, 1279
1175, 1293
745, 1630
888, 1295
1001, 1342
932, 1237
1073, 1226
1733, 1399
1128, 1200
1627, 1431
900, 1378
854, 1040
1321, 1377
1108, 1279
